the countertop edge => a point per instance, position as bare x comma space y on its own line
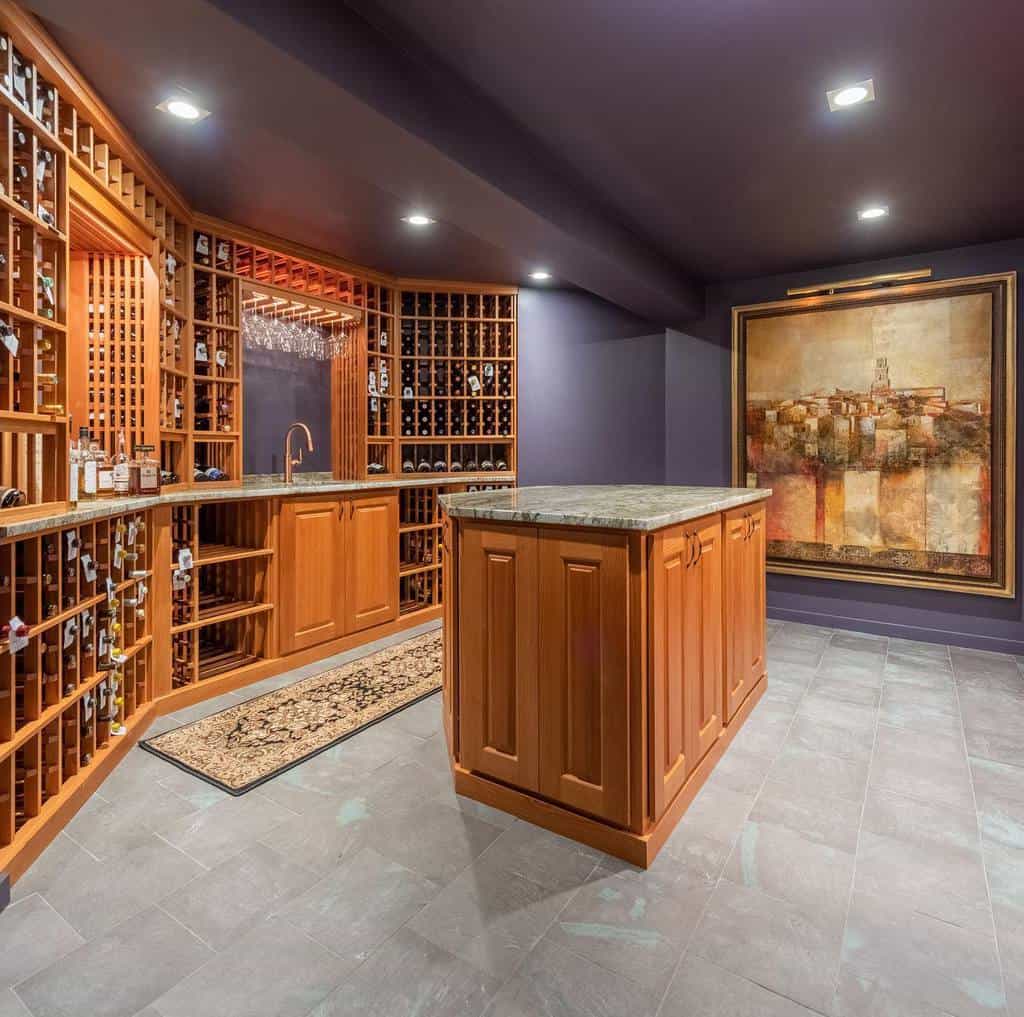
91, 511
598, 522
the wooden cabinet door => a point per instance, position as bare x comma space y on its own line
744, 619
449, 638
371, 561
311, 566
584, 672
685, 653
497, 710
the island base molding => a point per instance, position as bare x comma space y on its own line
637, 849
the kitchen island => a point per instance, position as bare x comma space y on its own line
603, 645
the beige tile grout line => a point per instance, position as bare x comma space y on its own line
981, 845
732, 848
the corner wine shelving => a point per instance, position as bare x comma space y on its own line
82, 670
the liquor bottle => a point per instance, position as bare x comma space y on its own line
104, 471
88, 465
122, 467
148, 472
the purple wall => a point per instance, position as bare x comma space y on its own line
280, 389
697, 425
591, 392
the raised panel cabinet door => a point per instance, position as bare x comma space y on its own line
671, 745
371, 561
312, 573
497, 708
584, 672
705, 624
744, 598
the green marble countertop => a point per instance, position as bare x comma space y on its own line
614, 507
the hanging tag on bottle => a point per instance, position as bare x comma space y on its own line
221, 358
474, 384
118, 555
70, 631
383, 340
179, 579
407, 393
373, 405
488, 371
372, 382
140, 594
71, 545
17, 642
88, 568
133, 532
110, 590
184, 558
104, 641
86, 623
9, 338
201, 355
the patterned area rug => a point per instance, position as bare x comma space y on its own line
243, 746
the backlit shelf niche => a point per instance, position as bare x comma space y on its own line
221, 605
85, 670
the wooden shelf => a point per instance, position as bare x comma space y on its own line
213, 554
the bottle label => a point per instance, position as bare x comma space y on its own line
105, 477
91, 484
73, 484
122, 477
149, 478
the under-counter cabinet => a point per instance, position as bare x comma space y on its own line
593, 677
341, 573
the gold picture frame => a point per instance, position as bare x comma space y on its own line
888, 565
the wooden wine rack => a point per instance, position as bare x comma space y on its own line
420, 579
221, 614
111, 315
33, 281
67, 696
216, 355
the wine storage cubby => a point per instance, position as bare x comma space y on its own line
419, 543
216, 397
175, 388
75, 663
220, 587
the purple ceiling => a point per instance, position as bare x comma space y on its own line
636, 149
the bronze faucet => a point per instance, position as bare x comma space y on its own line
289, 462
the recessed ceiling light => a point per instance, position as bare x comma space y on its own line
873, 212
183, 109
851, 95
418, 219
540, 275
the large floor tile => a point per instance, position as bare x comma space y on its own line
703, 989
273, 971
409, 975
825, 774
355, 908
545, 858
820, 818
741, 770
791, 950
929, 766
213, 835
920, 708
60, 854
309, 785
860, 996
789, 867
434, 840
830, 690
11, 1005
95, 896
633, 923
999, 792
324, 837
704, 837
923, 958
119, 973
221, 905
848, 742
422, 719
32, 936
107, 831
493, 914
554, 982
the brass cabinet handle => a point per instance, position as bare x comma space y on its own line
700, 549
689, 550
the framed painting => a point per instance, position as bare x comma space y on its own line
884, 420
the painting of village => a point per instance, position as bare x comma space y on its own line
873, 427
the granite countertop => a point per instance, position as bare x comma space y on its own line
252, 486
618, 507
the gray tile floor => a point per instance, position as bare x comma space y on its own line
859, 851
